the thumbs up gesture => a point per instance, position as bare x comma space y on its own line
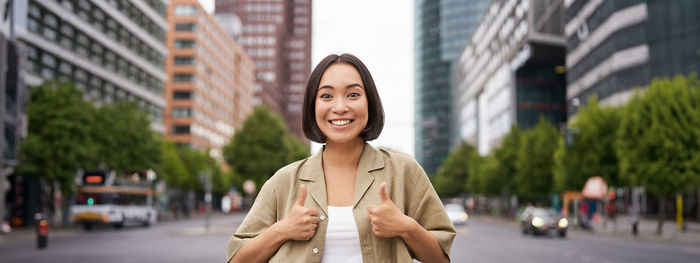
301, 222
387, 220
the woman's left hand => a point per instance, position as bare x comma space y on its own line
387, 220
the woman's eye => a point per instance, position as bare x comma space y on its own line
325, 96
354, 94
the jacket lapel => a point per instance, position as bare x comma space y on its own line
312, 173
370, 160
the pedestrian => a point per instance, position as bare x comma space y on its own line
350, 202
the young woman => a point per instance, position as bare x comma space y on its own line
350, 202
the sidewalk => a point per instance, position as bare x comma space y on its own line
622, 227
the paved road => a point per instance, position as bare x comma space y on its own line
489, 240
177, 241
483, 240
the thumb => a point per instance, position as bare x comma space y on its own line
382, 193
302, 196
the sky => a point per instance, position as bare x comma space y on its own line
380, 33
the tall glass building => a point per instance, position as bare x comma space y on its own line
442, 29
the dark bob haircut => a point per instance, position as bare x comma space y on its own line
375, 111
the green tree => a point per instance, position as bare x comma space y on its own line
195, 161
296, 150
171, 169
451, 179
220, 180
506, 157
261, 147
59, 138
225, 181
124, 138
658, 142
58, 141
592, 152
535, 162
483, 177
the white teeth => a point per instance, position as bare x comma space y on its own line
343, 122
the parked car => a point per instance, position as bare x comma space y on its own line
537, 220
456, 214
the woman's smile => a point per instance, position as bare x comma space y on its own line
340, 122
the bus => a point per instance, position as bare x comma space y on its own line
104, 198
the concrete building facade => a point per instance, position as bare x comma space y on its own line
276, 34
209, 89
111, 50
615, 46
512, 72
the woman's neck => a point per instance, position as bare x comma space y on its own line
343, 155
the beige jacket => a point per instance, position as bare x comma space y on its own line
406, 184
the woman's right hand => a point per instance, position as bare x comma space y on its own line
301, 222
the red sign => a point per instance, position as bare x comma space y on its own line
93, 179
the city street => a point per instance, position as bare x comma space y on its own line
482, 240
495, 240
175, 241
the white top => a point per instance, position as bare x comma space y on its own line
342, 240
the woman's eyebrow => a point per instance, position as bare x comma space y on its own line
354, 85
357, 85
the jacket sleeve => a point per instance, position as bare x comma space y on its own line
426, 208
261, 216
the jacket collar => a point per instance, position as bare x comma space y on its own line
370, 160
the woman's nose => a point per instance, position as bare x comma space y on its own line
339, 106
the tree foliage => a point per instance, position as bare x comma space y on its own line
124, 139
261, 147
452, 177
171, 168
59, 140
195, 161
535, 162
67, 133
483, 177
592, 152
659, 141
506, 158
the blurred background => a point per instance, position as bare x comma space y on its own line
553, 130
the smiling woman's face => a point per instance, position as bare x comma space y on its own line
341, 104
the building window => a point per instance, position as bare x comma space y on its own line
184, 43
184, 60
183, 78
185, 27
182, 112
65, 69
185, 10
181, 129
182, 95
